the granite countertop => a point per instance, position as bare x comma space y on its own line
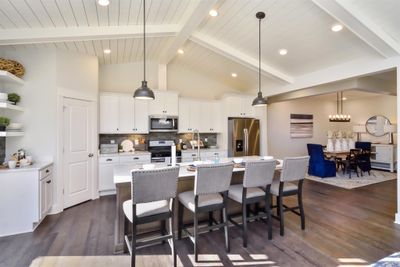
136, 153
34, 167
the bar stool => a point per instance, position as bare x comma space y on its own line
153, 194
293, 170
258, 176
210, 193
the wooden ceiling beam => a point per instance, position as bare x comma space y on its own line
352, 18
54, 35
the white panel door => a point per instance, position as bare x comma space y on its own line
108, 114
215, 118
195, 111
234, 107
78, 154
126, 116
156, 106
141, 116
247, 108
206, 117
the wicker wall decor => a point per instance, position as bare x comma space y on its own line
12, 66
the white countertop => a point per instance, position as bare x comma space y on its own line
136, 153
122, 173
203, 150
34, 167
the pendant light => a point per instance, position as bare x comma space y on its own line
144, 92
339, 116
259, 101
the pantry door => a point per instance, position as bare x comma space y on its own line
78, 155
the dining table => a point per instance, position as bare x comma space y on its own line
123, 179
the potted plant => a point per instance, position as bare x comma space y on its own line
14, 98
4, 122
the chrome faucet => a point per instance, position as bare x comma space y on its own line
195, 131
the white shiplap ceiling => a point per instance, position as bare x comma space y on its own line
215, 46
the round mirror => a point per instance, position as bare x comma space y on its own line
375, 125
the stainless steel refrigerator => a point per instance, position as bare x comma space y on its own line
243, 137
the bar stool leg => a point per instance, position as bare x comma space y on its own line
244, 224
133, 246
301, 207
210, 219
226, 231
195, 234
281, 216
163, 229
126, 227
180, 220
268, 212
172, 232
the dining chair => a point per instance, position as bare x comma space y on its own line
210, 194
351, 162
258, 176
293, 171
153, 194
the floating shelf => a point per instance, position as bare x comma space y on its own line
6, 77
6, 105
9, 134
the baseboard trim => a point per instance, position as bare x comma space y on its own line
397, 218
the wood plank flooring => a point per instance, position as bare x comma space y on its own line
343, 227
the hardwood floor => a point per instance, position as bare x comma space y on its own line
346, 227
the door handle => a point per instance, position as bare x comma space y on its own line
90, 155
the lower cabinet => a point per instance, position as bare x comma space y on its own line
106, 169
46, 195
383, 156
205, 154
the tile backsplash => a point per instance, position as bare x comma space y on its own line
118, 138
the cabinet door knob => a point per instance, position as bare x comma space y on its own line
49, 181
90, 155
47, 171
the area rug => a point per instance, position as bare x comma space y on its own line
343, 181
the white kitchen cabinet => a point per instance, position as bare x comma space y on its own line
210, 115
109, 113
205, 154
165, 103
26, 197
239, 106
120, 113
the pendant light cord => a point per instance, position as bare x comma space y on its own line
144, 40
259, 55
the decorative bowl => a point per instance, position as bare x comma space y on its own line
238, 160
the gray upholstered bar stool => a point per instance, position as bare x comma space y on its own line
153, 194
210, 194
293, 171
258, 176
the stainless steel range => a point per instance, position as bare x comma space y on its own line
161, 151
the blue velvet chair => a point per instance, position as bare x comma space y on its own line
319, 166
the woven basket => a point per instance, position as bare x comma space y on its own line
18, 70
6, 64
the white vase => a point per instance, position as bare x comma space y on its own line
338, 145
352, 144
345, 145
329, 145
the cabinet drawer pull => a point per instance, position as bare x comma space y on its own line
135, 158
49, 181
108, 159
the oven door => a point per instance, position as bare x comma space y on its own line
163, 124
161, 160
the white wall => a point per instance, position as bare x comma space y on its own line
281, 145
397, 218
125, 78
193, 84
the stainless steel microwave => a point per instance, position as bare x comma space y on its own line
163, 124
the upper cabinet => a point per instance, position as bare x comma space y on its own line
199, 115
239, 106
123, 114
165, 103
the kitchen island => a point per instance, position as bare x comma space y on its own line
123, 178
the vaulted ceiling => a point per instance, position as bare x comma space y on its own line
216, 46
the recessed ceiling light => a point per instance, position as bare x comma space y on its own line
283, 51
107, 51
213, 13
103, 2
337, 28
234, 75
180, 51
344, 98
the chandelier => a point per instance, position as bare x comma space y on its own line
339, 116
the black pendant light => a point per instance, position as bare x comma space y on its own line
144, 92
259, 101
